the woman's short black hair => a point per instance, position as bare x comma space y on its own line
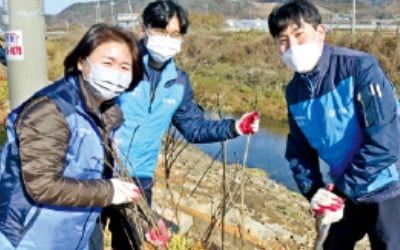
293, 12
158, 14
97, 35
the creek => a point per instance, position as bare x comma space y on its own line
266, 152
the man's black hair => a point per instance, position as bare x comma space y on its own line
158, 14
293, 12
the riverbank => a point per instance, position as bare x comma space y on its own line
242, 71
235, 72
274, 217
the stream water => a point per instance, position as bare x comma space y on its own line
266, 151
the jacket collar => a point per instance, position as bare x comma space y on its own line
316, 76
323, 63
107, 115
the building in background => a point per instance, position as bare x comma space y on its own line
128, 20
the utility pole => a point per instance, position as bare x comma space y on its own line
353, 24
4, 14
98, 12
249, 6
25, 49
130, 6
112, 11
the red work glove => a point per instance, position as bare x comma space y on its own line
248, 123
160, 237
327, 205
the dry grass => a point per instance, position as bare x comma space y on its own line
57, 49
239, 66
4, 107
242, 67
384, 46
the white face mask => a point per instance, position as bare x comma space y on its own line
106, 83
162, 48
302, 58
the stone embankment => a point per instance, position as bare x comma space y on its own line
273, 216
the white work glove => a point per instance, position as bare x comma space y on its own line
327, 205
248, 123
124, 192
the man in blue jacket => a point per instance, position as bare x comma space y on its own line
342, 109
163, 96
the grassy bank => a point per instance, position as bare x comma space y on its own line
240, 67
245, 70
239, 70
242, 70
4, 105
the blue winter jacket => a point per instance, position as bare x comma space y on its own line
26, 224
148, 110
345, 112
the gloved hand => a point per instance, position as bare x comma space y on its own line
327, 205
124, 192
160, 237
248, 123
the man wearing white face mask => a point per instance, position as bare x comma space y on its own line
163, 96
342, 109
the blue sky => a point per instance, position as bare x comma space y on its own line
56, 6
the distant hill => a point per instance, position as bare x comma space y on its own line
372, 2
85, 13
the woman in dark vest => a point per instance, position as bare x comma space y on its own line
52, 186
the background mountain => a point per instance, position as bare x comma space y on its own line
372, 2
85, 13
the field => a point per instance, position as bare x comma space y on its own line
235, 71
245, 70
